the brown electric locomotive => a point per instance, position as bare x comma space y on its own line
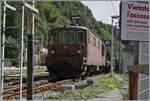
74, 51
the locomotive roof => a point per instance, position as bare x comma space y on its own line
77, 27
80, 27
85, 28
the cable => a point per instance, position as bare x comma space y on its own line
113, 7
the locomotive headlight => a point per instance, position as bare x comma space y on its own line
52, 51
79, 51
85, 68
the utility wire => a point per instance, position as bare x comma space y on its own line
113, 7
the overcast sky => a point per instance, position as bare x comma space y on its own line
103, 10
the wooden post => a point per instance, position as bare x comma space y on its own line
29, 21
30, 68
29, 57
133, 77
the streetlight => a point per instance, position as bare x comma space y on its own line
112, 17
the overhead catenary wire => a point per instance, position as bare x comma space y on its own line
114, 9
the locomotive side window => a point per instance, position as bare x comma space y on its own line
72, 37
89, 37
102, 50
94, 41
98, 43
80, 37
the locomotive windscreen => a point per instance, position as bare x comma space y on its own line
67, 37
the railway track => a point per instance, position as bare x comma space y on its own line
12, 92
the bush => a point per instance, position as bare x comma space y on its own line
12, 52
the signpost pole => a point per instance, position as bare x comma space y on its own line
30, 67
112, 48
30, 48
0, 55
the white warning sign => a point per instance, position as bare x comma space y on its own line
135, 20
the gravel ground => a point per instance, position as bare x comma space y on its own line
42, 95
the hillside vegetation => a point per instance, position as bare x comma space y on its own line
58, 13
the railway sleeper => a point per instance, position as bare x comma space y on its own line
8, 96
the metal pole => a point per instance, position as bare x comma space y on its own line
0, 53
30, 60
33, 21
119, 54
112, 49
33, 26
21, 55
3, 51
115, 44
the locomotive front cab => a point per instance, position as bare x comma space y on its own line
67, 43
67, 49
